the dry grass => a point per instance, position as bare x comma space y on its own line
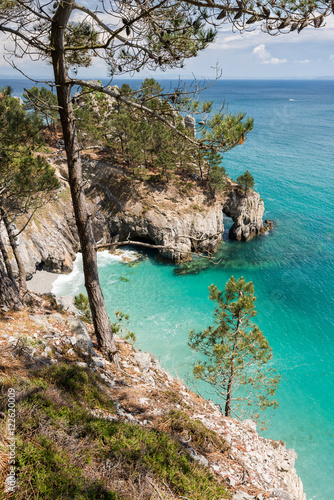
70, 441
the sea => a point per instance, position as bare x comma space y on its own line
290, 153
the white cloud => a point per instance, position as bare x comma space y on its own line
331, 58
304, 61
227, 40
265, 57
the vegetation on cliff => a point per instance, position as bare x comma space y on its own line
87, 429
63, 449
27, 180
72, 437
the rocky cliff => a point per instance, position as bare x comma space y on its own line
187, 221
181, 218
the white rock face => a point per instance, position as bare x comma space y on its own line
192, 224
179, 232
246, 212
80, 338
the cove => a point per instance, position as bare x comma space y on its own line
290, 154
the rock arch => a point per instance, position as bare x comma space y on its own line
246, 213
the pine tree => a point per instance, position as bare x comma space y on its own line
43, 103
216, 172
27, 180
246, 180
236, 352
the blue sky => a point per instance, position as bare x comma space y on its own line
253, 54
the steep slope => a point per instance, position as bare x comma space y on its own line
85, 429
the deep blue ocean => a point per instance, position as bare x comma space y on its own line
290, 153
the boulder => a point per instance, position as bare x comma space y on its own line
80, 337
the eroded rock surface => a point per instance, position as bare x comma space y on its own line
246, 212
186, 224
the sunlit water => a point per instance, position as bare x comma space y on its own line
290, 154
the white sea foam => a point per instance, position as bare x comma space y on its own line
72, 284
105, 258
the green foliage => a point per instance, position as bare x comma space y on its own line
43, 103
63, 447
164, 456
80, 39
81, 302
47, 471
202, 438
121, 327
223, 131
152, 150
27, 179
246, 180
125, 89
216, 172
19, 131
150, 87
77, 382
236, 352
92, 110
33, 175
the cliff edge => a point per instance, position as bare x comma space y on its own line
134, 432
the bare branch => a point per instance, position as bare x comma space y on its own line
29, 41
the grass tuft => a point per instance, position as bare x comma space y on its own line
201, 438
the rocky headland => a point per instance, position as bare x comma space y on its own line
180, 218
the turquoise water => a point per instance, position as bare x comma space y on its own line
290, 154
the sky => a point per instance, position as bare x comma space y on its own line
253, 54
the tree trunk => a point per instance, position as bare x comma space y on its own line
230, 380
7, 262
9, 296
97, 305
13, 244
229, 394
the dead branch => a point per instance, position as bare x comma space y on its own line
153, 247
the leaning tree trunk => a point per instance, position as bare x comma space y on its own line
9, 296
13, 244
7, 262
96, 301
229, 394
